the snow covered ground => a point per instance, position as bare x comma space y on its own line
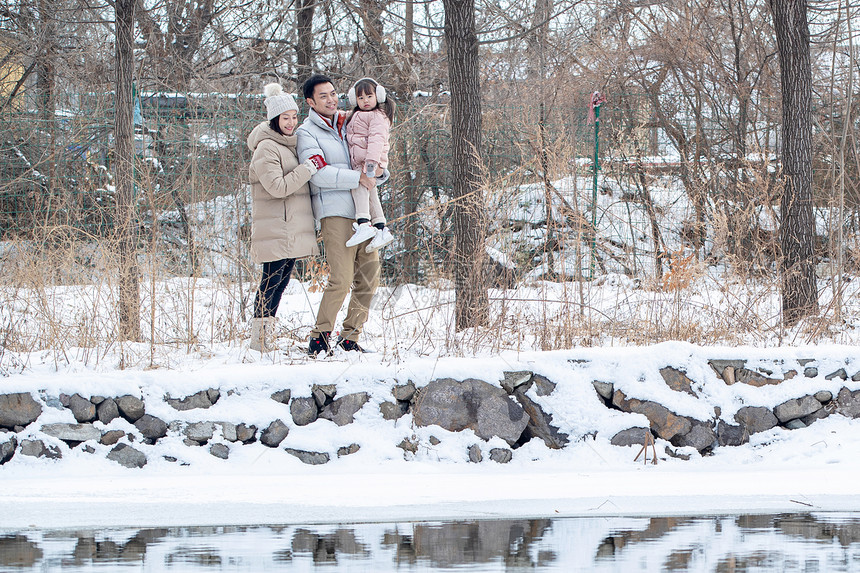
813, 469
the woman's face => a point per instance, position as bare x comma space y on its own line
288, 121
366, 101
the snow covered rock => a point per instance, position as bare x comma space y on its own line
152, 428
501, 455
111, 437
221, 451
731, 435
7, 450
677, 380
665, 423
348, 450
630, 437
475, 454
342, 411
131, 408
756, 419
310, 458
107, 411
539, 423
82, 409
202, 399
274, 434
282, 396
404, 392
796, 408
304, 411
38, 449
393, 410
473, 404
127, 456
18, 410
72, 434
200, 432
324, 394
848, 403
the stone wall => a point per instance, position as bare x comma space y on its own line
511, 411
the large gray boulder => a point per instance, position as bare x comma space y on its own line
756, 419
131, 408
665, 423
473, 404
18, 410
274, 434
127, 456
107, 411
342, 411
82, 409
304, 411
152, 428
73, 433
701, 436
796, 408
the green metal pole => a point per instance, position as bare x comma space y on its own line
594, 192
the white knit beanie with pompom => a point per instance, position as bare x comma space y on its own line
277, 102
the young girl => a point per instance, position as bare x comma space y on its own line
367, 135
282, 221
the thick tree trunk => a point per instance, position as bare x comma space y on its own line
472, 304
305, 39
126, 228
797, 228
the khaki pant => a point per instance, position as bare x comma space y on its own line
349, 267
367, 205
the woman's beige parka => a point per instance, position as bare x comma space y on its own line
282, 223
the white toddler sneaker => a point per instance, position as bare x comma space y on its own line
363, 232
382, 237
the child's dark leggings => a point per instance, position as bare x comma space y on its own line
276, 275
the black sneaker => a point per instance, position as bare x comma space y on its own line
349, 345
319, 344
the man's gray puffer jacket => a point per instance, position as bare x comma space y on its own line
332, 185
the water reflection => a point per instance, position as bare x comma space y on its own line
796, 542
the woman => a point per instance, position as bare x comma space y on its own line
282, 221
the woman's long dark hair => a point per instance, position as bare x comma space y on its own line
273, 123
368, 86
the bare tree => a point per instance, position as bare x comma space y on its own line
472, 304
797, 226
129, 284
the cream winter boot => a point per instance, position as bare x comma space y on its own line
263, 334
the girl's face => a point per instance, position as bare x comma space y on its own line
366, 102
288, 121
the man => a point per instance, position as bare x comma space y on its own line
324, 133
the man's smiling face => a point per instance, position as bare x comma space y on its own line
325, 100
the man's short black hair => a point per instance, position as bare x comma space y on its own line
312, 82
